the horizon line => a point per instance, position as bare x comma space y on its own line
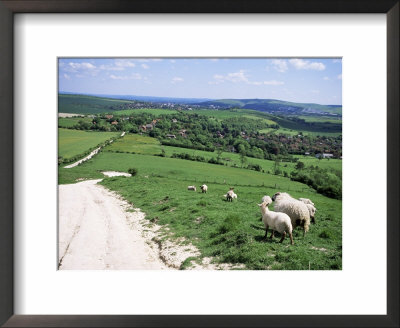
107, 94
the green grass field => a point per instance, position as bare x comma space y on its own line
141, 144
136, 143
228, 232
72, 143
87, 104
69, 122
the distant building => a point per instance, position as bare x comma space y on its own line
306, 153
109, 116
171, 136
174, 120
149, 126
324, 155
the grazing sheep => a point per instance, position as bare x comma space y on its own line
230, 195
192, 188
276, 221
306, 201
264, 199
204, 188
311, 207
297, 210
311, 210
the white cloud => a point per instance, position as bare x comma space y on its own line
241, 77
326, 78
145, 66
177, 79
335, 61
237, 77
214, 59
66, 76
273, 82
135, 76
306, 64
74, 67
124, 63
280, 65
314, 91
173, 61
111, 68
339, 76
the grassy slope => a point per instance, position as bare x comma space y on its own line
69, 122
74, 142
231, 232
87, 104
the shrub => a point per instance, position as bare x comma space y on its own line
133, 171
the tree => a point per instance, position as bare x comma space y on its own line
219, 153
299, 165
243, 159
277, 165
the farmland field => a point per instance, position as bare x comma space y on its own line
141, 144
87, 104
72, 143
71, 121
135, 143
227, 232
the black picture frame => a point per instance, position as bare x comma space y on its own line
10, 7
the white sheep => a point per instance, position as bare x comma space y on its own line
192, 188
297, 210
311, 210
276, 221
204, 188
306, 201
230, 195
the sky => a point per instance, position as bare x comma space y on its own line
306, 80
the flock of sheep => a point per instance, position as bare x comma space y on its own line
289, 212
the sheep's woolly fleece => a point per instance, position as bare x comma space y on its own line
297, 210
275, 220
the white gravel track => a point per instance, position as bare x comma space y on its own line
96, 232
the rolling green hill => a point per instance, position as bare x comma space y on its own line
273, 105
89, 105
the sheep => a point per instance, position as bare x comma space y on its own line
306, 201
192, 188
230, 195
276, 221
204, 188
311, 210
297, 210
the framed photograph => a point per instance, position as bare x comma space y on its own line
215, 164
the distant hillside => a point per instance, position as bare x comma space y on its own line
147, 98
275, 106
70, 103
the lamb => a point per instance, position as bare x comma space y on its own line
192, 188
276, 221
230, 195
297, 210
204, 188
